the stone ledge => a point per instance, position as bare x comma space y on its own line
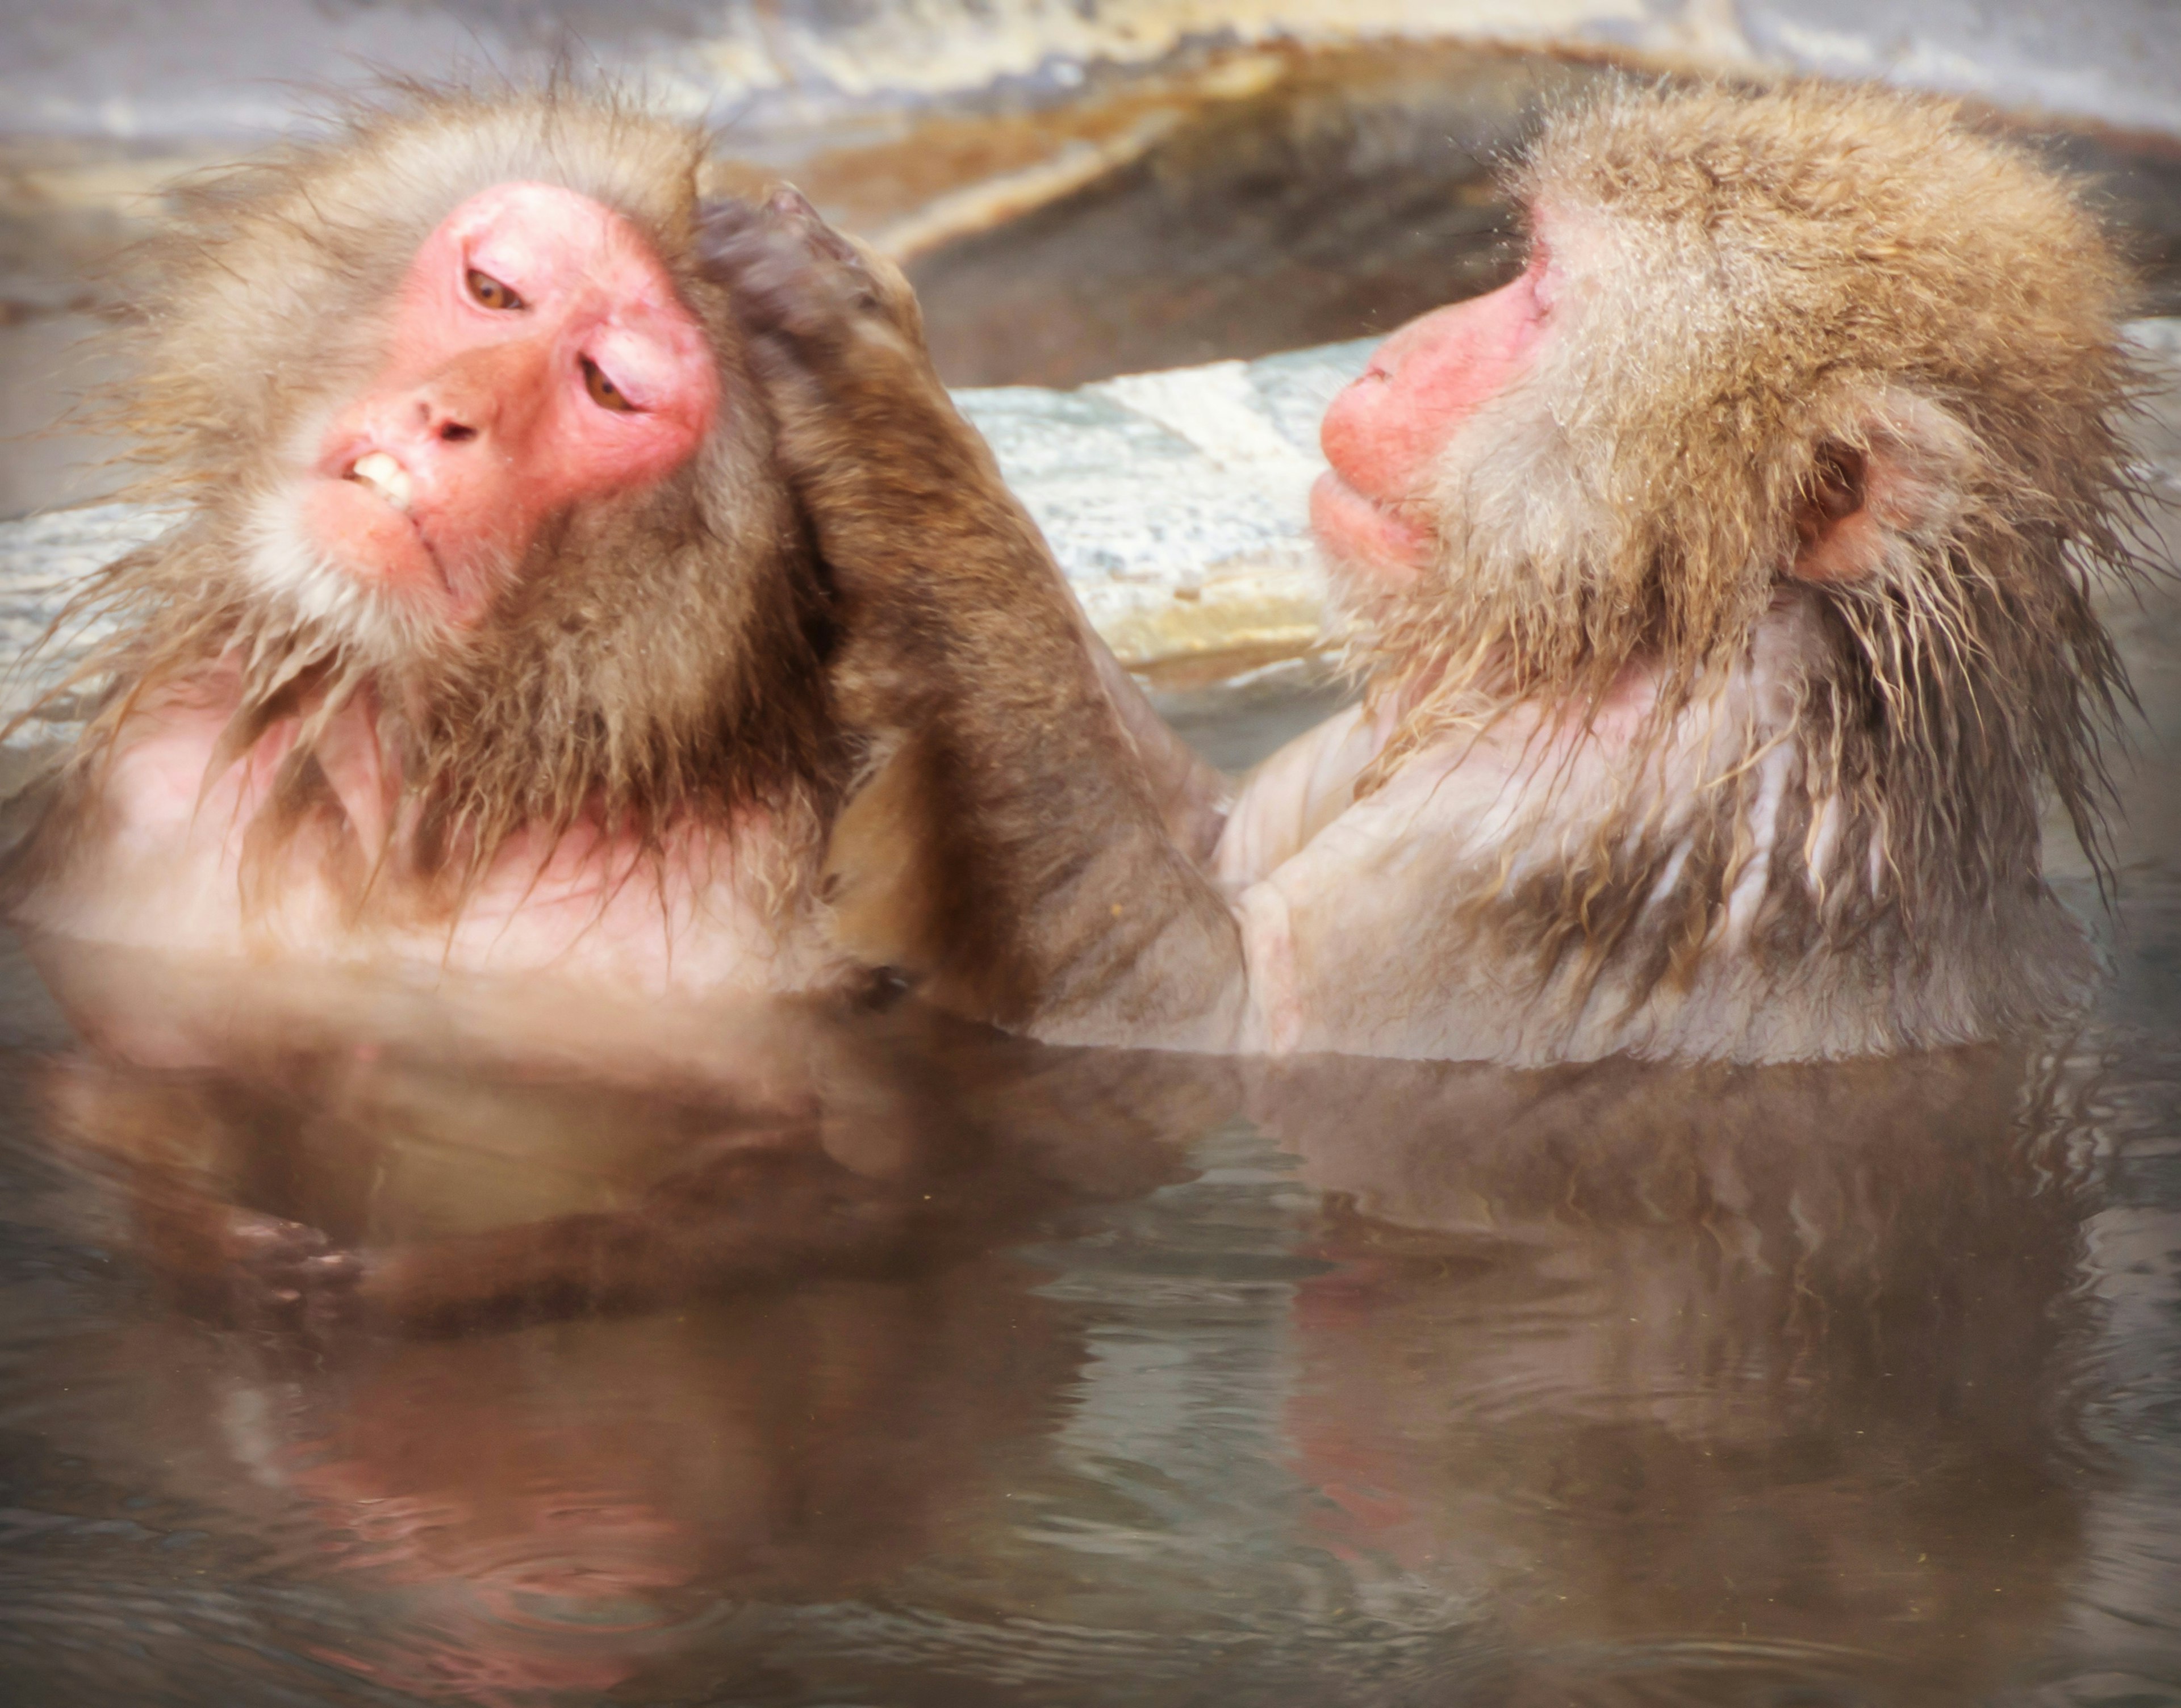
1176, 504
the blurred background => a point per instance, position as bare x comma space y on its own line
1080, 188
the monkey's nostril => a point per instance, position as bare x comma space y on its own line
454, 433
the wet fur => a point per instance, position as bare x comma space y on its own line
1763, 625
999, 734
1781, 279
658, 664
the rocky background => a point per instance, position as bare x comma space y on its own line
1153, 236
1080, 188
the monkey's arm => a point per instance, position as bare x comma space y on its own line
1053, 898
1194, 799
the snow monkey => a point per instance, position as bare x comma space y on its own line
1725, 584
487, 637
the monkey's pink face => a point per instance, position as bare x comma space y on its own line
540, 355
1372, 509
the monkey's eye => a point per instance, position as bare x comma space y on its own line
490, 292
604, 392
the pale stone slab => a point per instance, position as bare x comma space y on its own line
1176, 504
44, 560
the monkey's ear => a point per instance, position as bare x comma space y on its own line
1900, 479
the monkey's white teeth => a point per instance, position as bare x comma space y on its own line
385, 477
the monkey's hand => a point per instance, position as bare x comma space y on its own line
283, 1276
795, 277
899, 487
1058, 817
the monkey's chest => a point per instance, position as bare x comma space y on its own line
156, 858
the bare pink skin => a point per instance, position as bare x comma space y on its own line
1370, 512
1384, 433
488, 410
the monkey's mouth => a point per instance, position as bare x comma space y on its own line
383, 475
1357, 529
362, 516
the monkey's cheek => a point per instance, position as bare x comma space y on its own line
365, 537
1363, 541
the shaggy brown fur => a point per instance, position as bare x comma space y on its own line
1811, 476
1814, 468
659, 657
1004, 740
1789, 290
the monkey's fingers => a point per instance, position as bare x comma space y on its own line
787, 271
287, 1277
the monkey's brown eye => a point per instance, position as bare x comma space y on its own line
490, 292
604, 392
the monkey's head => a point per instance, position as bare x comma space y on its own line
538, 355
456, 423
1821, 346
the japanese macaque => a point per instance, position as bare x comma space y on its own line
487, 641
1725, 584
486, 636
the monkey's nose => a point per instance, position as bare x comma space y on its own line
450, 422
470, 399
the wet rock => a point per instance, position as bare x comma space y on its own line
214, 68
1176, 504
43, 560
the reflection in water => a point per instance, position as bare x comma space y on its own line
365, 1345
566, 1509
321, 1154
1735, 1371
369, 1344
925, 1367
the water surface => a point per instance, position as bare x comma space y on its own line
1023, 1376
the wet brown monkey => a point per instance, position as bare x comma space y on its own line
486, 642
487, 638
1726, 585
